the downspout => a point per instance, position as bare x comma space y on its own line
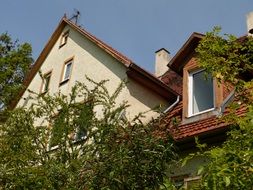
172, 105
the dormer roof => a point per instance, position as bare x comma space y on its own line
178, 62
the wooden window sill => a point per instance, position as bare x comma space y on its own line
63, 82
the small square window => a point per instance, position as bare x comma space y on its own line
45, 82
64, 39
201, 92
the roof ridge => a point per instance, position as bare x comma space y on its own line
116, 53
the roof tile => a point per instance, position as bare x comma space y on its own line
171, 123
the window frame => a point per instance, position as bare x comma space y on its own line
190, 94
64, 38
63, 80
43, 84
188, 180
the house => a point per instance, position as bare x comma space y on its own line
199, 111
72, 53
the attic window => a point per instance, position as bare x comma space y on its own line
45, 82
201, 92
67, 68
64, 38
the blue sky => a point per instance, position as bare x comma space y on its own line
136, 28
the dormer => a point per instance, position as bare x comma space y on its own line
202, 95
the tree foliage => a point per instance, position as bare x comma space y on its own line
230, 60
61, 142
15, 60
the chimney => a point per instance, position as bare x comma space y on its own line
162, 58
250, 23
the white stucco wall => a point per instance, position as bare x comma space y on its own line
90, 60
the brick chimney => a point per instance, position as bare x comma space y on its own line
250, 23
162, 58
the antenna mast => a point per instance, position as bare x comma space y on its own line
76, 16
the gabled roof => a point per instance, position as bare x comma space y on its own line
151, 81
178, 62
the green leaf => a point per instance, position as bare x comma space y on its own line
200, 170
227, 181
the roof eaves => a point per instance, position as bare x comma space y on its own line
139, 73
117, 55
177, 62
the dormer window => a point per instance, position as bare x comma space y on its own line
200, 93
64, 38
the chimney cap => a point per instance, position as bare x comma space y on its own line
161, 50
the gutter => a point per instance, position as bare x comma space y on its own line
172, 105
150, 81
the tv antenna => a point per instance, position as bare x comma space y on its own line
76, 16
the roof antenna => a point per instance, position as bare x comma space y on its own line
76, 16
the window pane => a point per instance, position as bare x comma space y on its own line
67, 71
202, 92
81, 134
45, 82
47, 79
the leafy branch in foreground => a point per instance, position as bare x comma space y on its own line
15, 60
61, 142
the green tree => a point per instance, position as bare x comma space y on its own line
230, 60
60, 142
15, 60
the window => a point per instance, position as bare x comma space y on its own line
192, 182
57, 126
66, 71
201, 93
45, 82
64, 39
80, 134
178, 181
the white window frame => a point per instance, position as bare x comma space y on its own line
65, 69
190, 94
70, 62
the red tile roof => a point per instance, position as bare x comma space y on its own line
172, 124
173, 80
